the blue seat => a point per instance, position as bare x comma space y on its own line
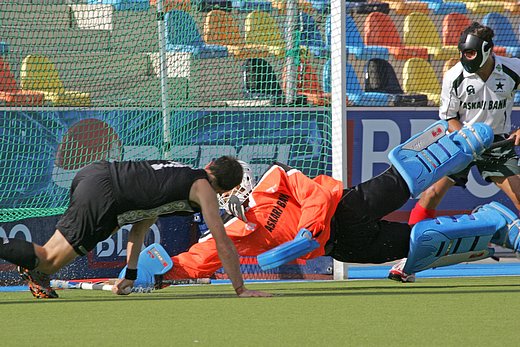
182, 35
439, 7
516, 100
355, 94
311, 36
251, 5
321, 6
505, 35
123, 5
4, 48
355, 44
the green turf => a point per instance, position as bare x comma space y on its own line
431, 312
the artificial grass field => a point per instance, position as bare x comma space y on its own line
431, 312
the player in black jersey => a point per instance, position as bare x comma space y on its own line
102, 193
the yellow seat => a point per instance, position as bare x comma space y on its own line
262, 29
403, 7
483, 7
419, 30
419, 78
221, 28
38, 73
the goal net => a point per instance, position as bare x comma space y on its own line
82, 81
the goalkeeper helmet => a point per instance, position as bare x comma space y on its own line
242, 190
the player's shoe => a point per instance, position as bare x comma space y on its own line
39, 283
159, 284
397, 274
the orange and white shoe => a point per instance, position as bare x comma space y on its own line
397, 274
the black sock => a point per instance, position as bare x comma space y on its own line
18, 252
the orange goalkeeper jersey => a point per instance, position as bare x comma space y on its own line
280, 205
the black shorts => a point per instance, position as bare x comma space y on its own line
92, 215
358, 235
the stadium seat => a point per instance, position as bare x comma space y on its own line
380, 30
4, 48
310, 36
419, 78
355, 94
261, 29
221, 28
516, 100
453, 24
168, 5
123, 5
309, 84
182, 35
302, 6
405, 7
11, 94
251, 5
419, 30
505, 35
513, 6
481, 7
380, 77
321, 6
440, 7
363, 7
355, 44
39, 74
260, 81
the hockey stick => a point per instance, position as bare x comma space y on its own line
501, 143
108, 284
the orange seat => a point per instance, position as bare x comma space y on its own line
11, 94
405, 7
454, 24
309, 85
380, 30
168, 5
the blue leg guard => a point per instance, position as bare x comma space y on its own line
509, 236
451, 240
153, 260
432, 154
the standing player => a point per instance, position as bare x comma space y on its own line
480, 88
102, 191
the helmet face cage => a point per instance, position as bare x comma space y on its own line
241, 191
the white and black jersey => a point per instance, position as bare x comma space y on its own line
466, 97
151, 183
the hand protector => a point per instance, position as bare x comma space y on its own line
236, 208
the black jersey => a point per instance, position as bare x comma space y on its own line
147, 184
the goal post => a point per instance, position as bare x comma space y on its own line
339, 106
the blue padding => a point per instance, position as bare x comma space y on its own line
251, 5
431, 154
288, 251
123, 5
509, 236
4, 48
153, 260
182, 35
450, 240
